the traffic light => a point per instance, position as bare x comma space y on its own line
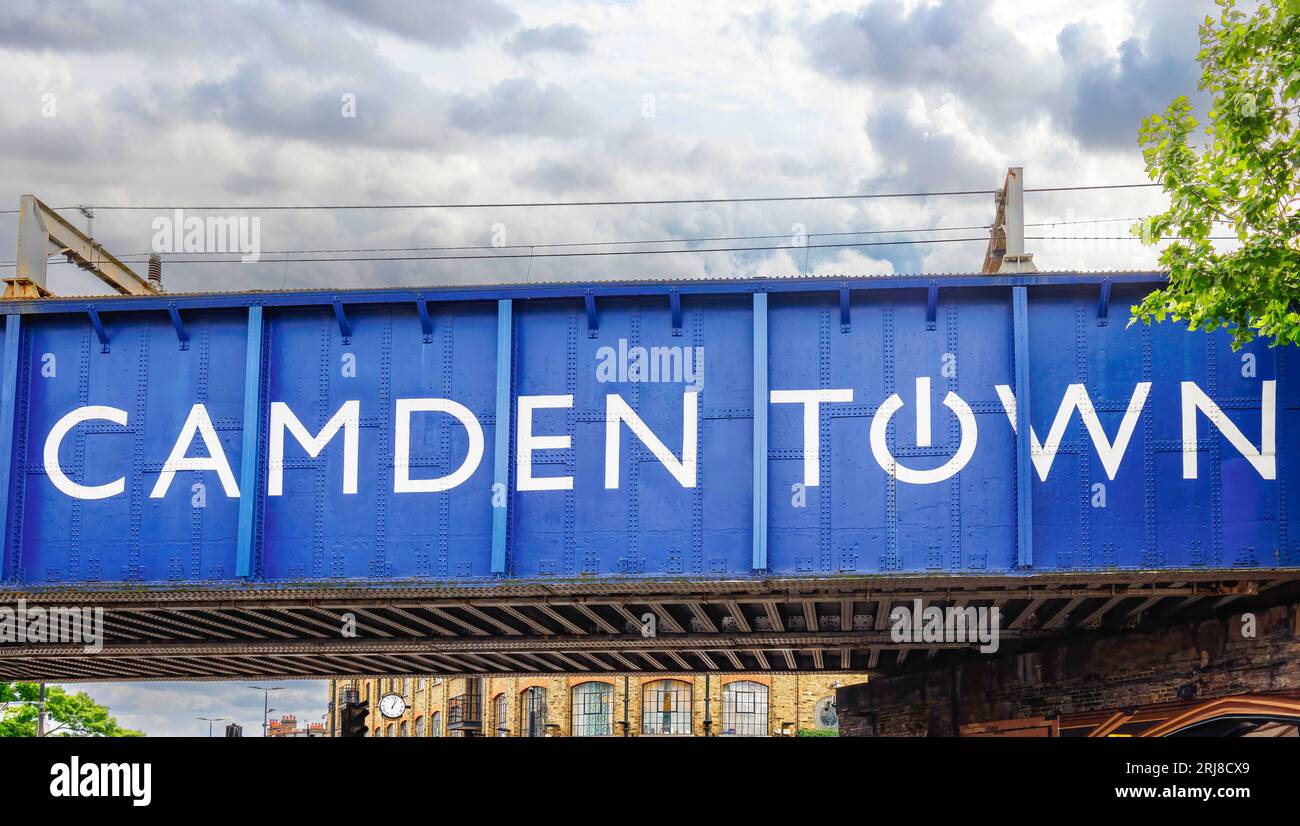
234, 730
354, 719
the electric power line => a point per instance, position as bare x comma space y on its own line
907, 242
133, 255
1089, 187
127, 257
530, 256
1079, 221
630, 202
1122, 238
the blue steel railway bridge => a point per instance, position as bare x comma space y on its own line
704, 475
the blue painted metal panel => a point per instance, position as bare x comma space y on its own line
759, 406
250, 430
9, 367
930, 368
501, 434
1024, 403
188, 534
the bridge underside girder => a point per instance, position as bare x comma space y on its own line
643, 627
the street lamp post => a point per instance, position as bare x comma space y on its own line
210, 721
40, 714
266, 702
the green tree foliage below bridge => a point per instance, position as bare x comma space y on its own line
71, 715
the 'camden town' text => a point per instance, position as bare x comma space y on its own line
681, 461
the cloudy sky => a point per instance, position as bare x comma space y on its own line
167, 103
172, 709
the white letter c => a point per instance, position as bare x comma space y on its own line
55, 439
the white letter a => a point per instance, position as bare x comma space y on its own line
199, 423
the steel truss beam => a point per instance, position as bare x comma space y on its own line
788, 626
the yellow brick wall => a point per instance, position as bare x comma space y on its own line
792, 699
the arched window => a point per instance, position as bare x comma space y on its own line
435, 724
592, 709
532, 712
744, 709
388, 730
666, 707
498, 716
403, 730
825, 716
419, 726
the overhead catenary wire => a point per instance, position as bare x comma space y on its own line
559, 244
1123, 238
846, 244
531, 255
1085, 187
1079, 221
623, 202
143, 256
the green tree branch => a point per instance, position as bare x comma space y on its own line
74, 715
1243, 170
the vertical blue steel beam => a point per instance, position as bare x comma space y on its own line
1279, 373
1024, 478
426, 322
8, 404
760, 431
501, 471
252, 430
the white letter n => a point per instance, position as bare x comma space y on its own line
1263, 460
618, 411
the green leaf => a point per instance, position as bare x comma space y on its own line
1244, 174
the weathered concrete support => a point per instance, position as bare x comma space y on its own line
1197, 661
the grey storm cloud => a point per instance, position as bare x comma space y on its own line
567, 176
168, 27
241, 103
445, 23
520, 106
172, 709
394, 109
39, 25
712, 161
169, 32
951, 47
557, 37
1096, 94
911, 152
1109, 94
294, 67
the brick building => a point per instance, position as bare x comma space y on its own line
595, 705
1053, 687
287, 726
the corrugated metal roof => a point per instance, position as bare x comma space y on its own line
578, 283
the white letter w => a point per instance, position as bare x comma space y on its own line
1076, 396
